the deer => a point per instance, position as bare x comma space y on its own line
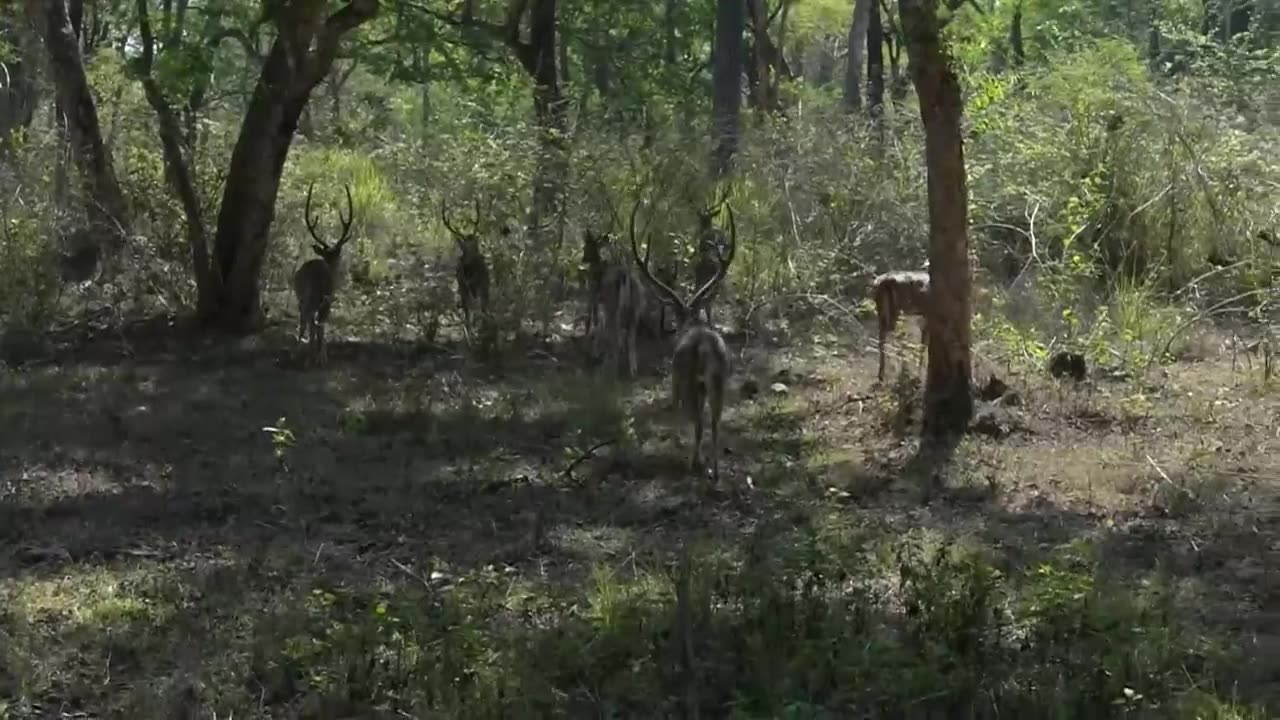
315, 280
593, 268
626, 304
473, 270
896, 293
700, 361
710, 240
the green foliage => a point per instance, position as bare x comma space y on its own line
797, 631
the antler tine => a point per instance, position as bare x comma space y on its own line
476, 225
348, 219
311, 223
613, 210
722, 268
444, 218
643, 265
714, 210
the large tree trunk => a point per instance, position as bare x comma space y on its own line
948, 398
726, 77
853, 62
539, 58
300, 57
105, 205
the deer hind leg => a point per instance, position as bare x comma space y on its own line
632, 332
886, 327
322, 354
318, 325
716, 400
924, 340
695, 410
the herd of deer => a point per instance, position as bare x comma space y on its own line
627, 294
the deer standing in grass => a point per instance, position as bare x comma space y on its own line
700, 362
316, 279
473, 270
897, 293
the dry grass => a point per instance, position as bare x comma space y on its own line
172, 516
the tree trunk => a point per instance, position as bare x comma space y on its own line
105, 205
669, 33
300, 57
759, 75
539, 58
853, 62
423, 61
173, 137
875, 64
1017, 52
948, 395
20, 94
726, 92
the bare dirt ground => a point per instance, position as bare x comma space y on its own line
161, 499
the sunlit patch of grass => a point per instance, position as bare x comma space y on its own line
90, 596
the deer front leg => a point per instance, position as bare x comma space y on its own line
924, 340
631, 346
322, 353
880, 346
695, 458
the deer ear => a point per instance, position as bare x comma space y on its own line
317, 248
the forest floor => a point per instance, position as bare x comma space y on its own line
191, 530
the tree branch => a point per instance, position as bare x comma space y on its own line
240, 36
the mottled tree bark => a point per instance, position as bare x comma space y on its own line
948, 394
853, 60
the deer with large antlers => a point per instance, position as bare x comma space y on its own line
897, 293
473, 269
316, 280
700, 362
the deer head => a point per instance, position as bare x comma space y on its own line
469, 241
686, 312
331, 254
707, 215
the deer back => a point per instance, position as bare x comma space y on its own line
902, 291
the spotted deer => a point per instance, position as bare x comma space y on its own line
315, 280
896, 293
700, 362
473, 269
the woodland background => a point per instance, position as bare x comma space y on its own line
192, 526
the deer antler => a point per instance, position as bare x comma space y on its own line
458, 235
643, 265
348, 219
723, 265
311, 223
345, 220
